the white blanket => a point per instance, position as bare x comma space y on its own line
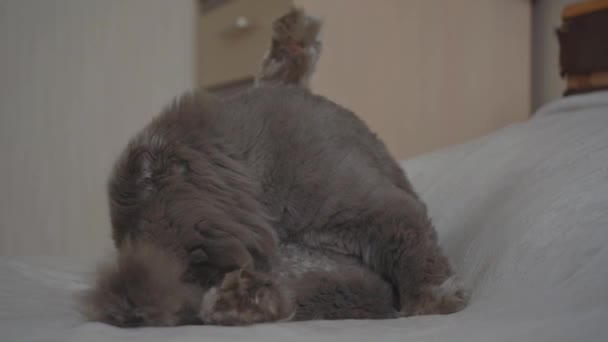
523, 214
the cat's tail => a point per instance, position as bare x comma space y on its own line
294, 51
142, 286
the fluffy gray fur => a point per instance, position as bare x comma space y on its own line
294, 51
328, 285
276, 181
144, 286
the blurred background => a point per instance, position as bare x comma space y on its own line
80, 77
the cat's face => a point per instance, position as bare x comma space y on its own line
246, 297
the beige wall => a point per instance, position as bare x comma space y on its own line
79, 77
548, 85
426, 74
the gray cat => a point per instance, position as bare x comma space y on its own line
238, 194
219, 184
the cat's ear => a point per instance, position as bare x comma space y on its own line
141, 169
145, 166
147, 163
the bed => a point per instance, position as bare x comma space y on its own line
522, 213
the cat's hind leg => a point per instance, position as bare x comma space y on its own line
353, 292
395, 238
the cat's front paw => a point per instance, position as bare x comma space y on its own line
245, 297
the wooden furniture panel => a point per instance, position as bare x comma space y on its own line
427, 74
233, 37
422, 74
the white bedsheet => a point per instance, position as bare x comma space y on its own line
523, 214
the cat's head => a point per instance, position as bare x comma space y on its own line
177, 186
